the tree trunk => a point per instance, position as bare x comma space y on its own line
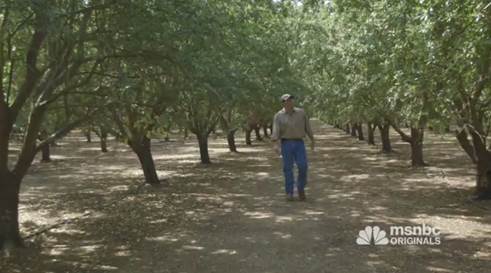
103, 140
45, 149
9, 211
248, 132
371, 137
415, 139
45, 153
463, 140
142, 148
347, 128
353, 129
231, 140
203, 148
359, 129
88, 136
9, 186
417, 136
385, 137
483, 179
483, 164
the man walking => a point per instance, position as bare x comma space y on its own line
290, 125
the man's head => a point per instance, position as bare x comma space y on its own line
287, 101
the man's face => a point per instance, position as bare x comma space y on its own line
288, 104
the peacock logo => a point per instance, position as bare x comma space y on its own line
372, 235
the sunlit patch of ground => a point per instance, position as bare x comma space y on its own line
231, 216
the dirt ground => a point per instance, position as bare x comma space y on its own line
231, 216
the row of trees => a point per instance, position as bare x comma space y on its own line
130, 68
414, 64
134, 68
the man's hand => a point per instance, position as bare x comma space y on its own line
312, 145
277, 149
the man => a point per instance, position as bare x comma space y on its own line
290, 125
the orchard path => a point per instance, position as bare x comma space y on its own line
231, 216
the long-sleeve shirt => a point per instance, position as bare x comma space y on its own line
294, 125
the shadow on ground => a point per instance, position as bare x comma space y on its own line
231, 216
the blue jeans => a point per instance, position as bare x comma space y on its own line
294, 151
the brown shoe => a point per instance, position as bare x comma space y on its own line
289, 197
301, 196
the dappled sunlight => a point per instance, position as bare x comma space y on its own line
354, 177
191, 247
164, 238
224, 252
439, 269
458, 227
90, 149
67, 230
234, 209
258, 214
283, 219
57, 250
282, 235
106, 268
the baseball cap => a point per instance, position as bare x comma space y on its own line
286, 97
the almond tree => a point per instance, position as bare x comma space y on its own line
460, 33
44, 47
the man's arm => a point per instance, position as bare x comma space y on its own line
275, 134
308, 131
308, 128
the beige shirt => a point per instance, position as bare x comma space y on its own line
291, 125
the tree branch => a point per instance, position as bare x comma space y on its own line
405, 137
33, 74
61, 132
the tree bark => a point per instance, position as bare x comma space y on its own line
483, 179
371, 137
483, 164
103, 140
142, 148
248, 132
417, 137
385, 137
88, 136
45, 149
231, 140
353, 129
203, 148
9, 185
359, 129
45, 153
5, 130
347, 129
462, 137
9, 211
